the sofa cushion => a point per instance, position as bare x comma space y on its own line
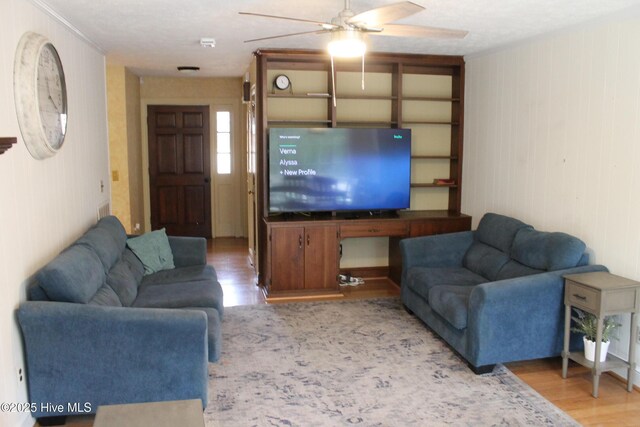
153, 250
484, 260
182, 274
75, 275
103, 244
123, 281
498, 231
180, 295
451, 302
422, 279
106, 296
115, 228
514, 269
134, 263
547, 251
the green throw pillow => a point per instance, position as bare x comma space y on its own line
153, 250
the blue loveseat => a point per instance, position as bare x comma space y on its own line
97, 330
494, 294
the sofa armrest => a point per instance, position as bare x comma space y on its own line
441, 250
110, 355
518, 319
188, 250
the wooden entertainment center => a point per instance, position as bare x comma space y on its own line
301, 254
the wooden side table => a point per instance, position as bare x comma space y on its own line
601, 294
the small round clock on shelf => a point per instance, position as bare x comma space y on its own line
40, 95
282, 82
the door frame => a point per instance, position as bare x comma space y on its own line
215, 104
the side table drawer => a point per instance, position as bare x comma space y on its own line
581, 296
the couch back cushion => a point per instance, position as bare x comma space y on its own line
515, 269
75, 275
123, 282
107, 239
547, 251
105, 296
484, 260
498, 231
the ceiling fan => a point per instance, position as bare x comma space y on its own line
349, 28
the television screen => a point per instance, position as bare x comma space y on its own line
339, 169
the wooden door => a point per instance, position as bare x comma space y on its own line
287, 258
252, 209
321, 257
179, 169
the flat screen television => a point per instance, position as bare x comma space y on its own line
339, 169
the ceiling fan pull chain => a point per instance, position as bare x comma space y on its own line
333, 82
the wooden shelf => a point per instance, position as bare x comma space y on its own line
299, 122
419, 185
368, 97
429, 122
341, 123
300, 95
427, 157
6, 143
429, 98
612, 362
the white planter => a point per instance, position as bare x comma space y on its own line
590, 349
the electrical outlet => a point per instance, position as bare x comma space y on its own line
20, 375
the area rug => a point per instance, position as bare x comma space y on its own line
365, 363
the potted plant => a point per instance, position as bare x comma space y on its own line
586, 323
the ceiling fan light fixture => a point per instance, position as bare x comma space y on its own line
347, 44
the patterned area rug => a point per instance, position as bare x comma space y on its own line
365, 363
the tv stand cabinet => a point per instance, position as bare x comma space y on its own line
303, 254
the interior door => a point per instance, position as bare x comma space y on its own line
252, 215
179, 169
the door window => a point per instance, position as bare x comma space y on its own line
223, 142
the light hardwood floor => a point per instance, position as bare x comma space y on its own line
615, 407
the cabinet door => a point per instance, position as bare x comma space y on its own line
321, 257
287, 258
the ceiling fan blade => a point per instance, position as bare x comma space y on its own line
419, 31
381, 15
288, 35
325, 25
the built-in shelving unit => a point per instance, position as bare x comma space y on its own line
424, 93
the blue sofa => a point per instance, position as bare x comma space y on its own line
98, 331
494, 294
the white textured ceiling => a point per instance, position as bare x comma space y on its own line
153, 37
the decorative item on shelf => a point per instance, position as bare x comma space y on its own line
40, 95
444, 181
6, 143
282, 82
587, 323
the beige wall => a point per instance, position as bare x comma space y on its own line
228, 193
45, 204
552, 136
123, 98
